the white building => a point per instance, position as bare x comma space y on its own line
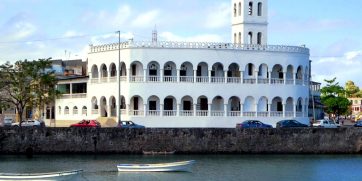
188, 84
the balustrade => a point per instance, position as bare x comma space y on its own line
186, 113
202, 113
217, 113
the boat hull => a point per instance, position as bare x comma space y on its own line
54, 176
162, 167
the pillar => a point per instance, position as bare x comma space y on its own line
294, 110
256, 77
225, 110
209, 110
178, 110
256, 110
285, 77
127, 109
178, 75
161, 110
144, 110
226, 76
294, 76
128, 75
241, 110
161, 75
242, 76
269, 109
269, 73
209, 76
283, 110
144, 75
195, 73
194, 109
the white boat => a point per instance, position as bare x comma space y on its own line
51, 176
159, 167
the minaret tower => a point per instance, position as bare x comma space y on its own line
249, 21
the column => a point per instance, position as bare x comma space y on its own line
294, 76
256, 110
241, 110
108, 111
128, 75
144, 110
283, 110
127, 109
256, 77
269, 73
242, 77
178, 75
209, 110
226, 76
303, 83
209, 76
285, 77
195, 109
71, 89
225, 110
195, 73
161, 110
161, 75
178, 110
294, 110
144, 75
269, 109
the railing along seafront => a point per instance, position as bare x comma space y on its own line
198, 45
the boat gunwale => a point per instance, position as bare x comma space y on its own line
34, 175
157, 165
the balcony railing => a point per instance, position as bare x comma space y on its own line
153, 113
202, 113
277, 81
276, 114
94, 80
169, 113
112, 79
217, 79
123, 78
202, 79
84, 111
104, 79
186, 113
249, 81
298, 81
189, 79
263, 81
299, 114
249, 114
136, 79
263, 114
234, 113
289, 114
170, 78
136, 113
290, 81
153, 79
234, 80
217, 113
75, 111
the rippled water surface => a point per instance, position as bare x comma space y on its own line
207, 167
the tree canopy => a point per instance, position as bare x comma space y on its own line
334, 98
27, 83
352, 90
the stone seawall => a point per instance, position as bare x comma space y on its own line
134, 141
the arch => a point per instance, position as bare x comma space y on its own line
170, 72
260, 9
306, 75
136, 69
84, 110
299, 105
202, 106
75, 110
263, 72
263, 104
136, 106
59, 110
187, 106
103, 107
249, 70
123, 103
239, 39
94, 71
113, 106
235, 38
94, 103
123, 70
153, 106
217, 72
259, 37
202, 72
217, 106
250, 38
277, 105
66, 110
186, 72
239, 9
153, 72
113, 70
104, 71
234, 106
250, 10
289, 104
299, 73
249, 106
169, 106
277, 74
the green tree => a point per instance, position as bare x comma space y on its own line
333, 97
27, 83
351, 89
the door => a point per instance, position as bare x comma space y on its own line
187, 105
203, 104
168, 104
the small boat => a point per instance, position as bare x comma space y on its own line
158, 152
159, 167
54, 176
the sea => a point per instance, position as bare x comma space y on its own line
241, 167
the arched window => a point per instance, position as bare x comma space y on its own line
260, 9
250, 8
235, 38
66, 110
250, 38
239, 38
234, 10
75, 110
239, 9
259, 38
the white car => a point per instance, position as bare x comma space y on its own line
27, 123
324, 123
8, 121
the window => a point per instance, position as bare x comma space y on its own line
239, 37
66, 110
64, 88
153, 70
75, 110
134, 68
234, 10
250, 69
250, 8
235, 38
250, 38
79, 88
152, 105
239, 9
260, 9
259, 38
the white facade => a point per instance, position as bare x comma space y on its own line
183, 84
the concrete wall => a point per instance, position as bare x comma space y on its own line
113, 140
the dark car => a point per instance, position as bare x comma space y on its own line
129, 124
358, 123
290, 123
87, 124
253, 124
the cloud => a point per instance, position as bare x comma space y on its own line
218, 16
168, 36
147, 19
346, 67
104, 19
17, 27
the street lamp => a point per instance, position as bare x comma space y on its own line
119, 78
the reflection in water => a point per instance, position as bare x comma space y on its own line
207, 167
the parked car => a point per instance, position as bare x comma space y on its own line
87, 124
253, 124
290, 123
358, 123
324, 123
129, 124
8, 121
29, 123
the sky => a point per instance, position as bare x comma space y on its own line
33, 29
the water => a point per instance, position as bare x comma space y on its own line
207, 167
